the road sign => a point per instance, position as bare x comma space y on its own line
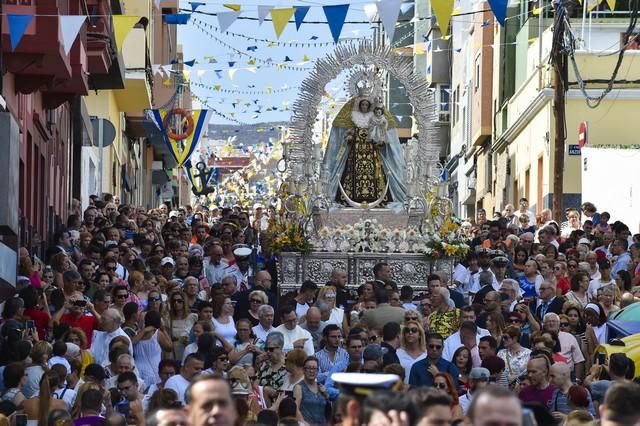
582, 133
574, 150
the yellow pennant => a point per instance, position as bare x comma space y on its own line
234, 7
280, 18
443, 9
122, 25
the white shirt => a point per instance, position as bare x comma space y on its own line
261, 333
594, 285
100, 345
301, 310
407, 362
475, 282
465, 402
297, 333
214, 273
227, 331
179, 384
453, 342
68, 395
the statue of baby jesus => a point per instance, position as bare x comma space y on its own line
378, 126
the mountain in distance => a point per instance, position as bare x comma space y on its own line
246, 134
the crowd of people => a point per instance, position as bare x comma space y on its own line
174, 317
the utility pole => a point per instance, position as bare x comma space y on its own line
559, 63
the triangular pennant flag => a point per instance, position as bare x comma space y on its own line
499, 8
280, 18
123, 24
234, 7
200, 74
70, 26
592, 4
405, 7
263, 11
232, 72
195, 5
300, 13
190, 63
287, 59
443, 10
225, 19
155, 68
17, 26
176, 18
251, 62
612, 4
335, 18
370, 10
252, 69
388, 10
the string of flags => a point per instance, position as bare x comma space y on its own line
70, 26
267, 91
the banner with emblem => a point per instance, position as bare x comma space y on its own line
181, 130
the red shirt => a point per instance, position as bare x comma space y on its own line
563, 284
40, 319
86, 323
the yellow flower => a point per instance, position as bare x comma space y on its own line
449, 249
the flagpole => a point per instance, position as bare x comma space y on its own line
584, 19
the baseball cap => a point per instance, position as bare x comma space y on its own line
479, 373
373, 352
174, 213
584, 241
167, 260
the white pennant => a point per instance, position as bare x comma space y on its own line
370, 10
155, 68
232, 72
389, 11
200, 74
70, 26
263, 11
225, 19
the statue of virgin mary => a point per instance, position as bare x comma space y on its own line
360, 170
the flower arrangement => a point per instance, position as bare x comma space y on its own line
289, 236
367, 235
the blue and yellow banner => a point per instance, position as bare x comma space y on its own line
183, 148
192, 175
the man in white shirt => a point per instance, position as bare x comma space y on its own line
294, 335
110, 322
453, 342
605, 279
214, 269
305, 297
193, 365
265, 324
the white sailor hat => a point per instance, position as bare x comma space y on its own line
241, 252
364, 384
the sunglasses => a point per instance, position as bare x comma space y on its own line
121, 296
271, 349
410, 330
435, 347
177, 301
256, 301
440, 385
155, 299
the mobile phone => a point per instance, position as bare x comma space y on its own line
602, 358
21, 420
31, 324
289, 394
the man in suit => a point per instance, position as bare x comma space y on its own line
547, 302
384, 312
381, 273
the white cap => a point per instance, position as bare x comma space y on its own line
166, 260
242, 252
174, 213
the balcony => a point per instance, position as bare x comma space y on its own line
39, 59
106, 65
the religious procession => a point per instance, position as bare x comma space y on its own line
384, 213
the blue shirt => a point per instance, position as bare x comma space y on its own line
326, 367
420, 375
528, 288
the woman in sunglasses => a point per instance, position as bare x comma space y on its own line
579, 289
328, 294
514, 355
444, 383
271, 366
180, 321
412, 346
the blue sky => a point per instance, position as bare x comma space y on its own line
197, 45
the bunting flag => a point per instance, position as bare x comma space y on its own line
70, 26
300, 13
17, 26
499, 8
195, 5
280, 18
232, 72
190, 63
612, 4
123, 24
225, 19
263, 11
335, 18
389, 10
176, 18
234, 7
199, 117
443, 10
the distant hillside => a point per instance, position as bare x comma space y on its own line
248, 134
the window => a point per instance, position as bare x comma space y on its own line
443, 100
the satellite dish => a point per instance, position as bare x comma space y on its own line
103, 129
